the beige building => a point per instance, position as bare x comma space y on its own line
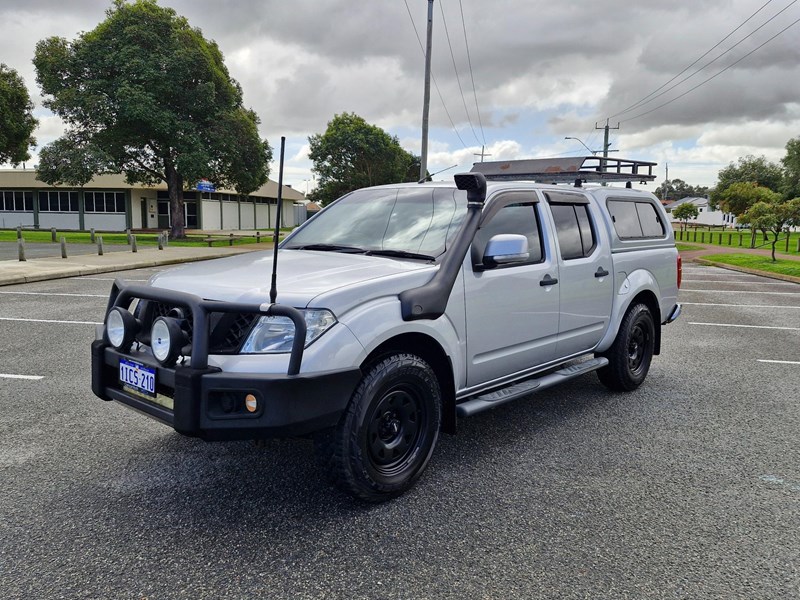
108, 203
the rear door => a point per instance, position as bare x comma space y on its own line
512, 320
585, 274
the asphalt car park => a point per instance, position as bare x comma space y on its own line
688, 487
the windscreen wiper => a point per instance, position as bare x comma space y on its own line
399, 254
329, 248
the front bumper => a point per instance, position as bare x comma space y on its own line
209, 404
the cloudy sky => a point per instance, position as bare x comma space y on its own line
541, 71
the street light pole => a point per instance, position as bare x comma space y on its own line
582, 144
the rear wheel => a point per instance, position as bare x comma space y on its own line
385, 439
631, 353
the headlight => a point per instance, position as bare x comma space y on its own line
273, 335
167, 340
121, 328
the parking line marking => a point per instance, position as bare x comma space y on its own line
745, 326
50, 321
780, 362
743, 292
107, 279
739, 282
737, 305
9, 376
57, 294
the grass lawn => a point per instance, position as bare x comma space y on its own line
758, 263
687, 247
145, 239
735, 239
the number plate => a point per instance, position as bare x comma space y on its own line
137, 378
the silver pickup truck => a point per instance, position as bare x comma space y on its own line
399, 309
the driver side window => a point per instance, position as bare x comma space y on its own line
518, 218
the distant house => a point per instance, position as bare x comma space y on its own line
109, 203
706, 214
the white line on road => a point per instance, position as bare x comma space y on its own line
50, 321
739, 282
107, 279
780, 362
57, 294
745, 326
9, 376
742, 292
736, 305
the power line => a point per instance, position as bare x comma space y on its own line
435, 84
713, 76
642, 101
472, 77
455, 68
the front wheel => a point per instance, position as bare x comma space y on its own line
385, 438
631, 353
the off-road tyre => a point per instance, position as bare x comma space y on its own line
386, 436
630, 355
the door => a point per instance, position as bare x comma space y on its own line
143, 206
512, 320
585, 273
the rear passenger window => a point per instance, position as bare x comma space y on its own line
635, 219
574, 230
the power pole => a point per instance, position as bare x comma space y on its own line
482, 154
666, 180
606, 145
426, 102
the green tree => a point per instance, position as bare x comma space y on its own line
773, 217
352, 154
791, 169
750, 169
16, 119
684, 212
739, 197
145, 94
675, 189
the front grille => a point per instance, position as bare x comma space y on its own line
228, 331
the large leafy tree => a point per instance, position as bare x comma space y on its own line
791, 169
145, 94
16, 119
352, 154
739, 197
748, 169
773, 217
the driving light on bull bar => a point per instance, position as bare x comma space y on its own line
121, 328
166, 340
274, 335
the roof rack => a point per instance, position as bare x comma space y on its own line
568, 169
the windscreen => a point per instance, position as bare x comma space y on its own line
414, 220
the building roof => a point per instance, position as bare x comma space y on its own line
26, 178
699, 202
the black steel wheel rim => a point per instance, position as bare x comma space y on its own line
395, 427
638, 343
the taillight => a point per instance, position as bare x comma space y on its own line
680, 270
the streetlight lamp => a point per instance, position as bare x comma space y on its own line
594, 152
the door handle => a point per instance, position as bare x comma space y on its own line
547, 280
601, 272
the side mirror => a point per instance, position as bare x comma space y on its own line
504, 249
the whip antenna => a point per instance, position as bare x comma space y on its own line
273, 292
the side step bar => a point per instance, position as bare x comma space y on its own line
517, 390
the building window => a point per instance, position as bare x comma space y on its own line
58, 201
104, 202
16, 201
